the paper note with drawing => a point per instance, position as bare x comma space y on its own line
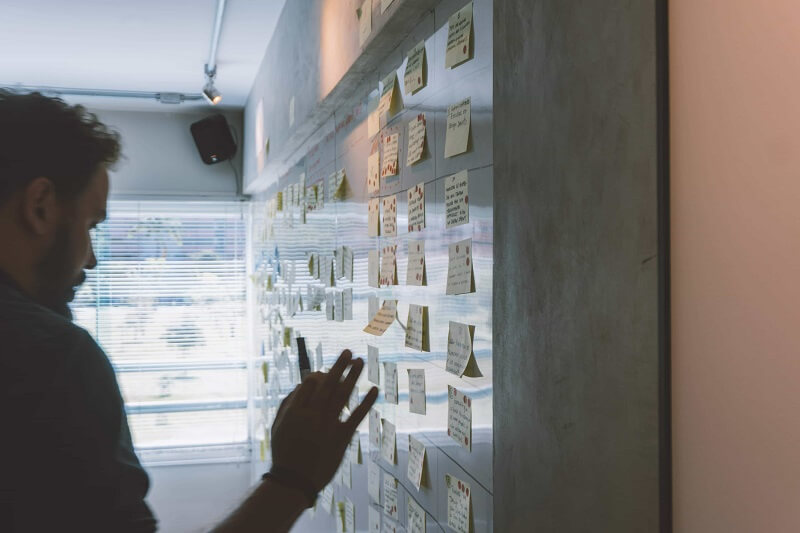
460, 277
416, 461
417, 336
389, 228
416, 207
391, 147
414, 77
390, 384
389, 265
459, 417
417, 400
459, 117
416, 139
458, 504
459, 37
456, 199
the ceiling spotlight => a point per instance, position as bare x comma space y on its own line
211, 93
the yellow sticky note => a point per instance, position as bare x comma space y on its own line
416, 139
459, 37
414, 78
390, 150
389, 265
458, 504
373, 217
389, 228
459, 118
383, 318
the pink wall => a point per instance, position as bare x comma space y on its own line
735, 96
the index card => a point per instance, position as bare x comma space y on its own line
373, 217
373, 268
460, 278
373, 366
460, 356
416, 208
416, 139
458, 504
414, 78
458, 123
375, 428
389, 265
364, 21
416, 517
456, 199
459, 417
374, 514
390, 496
390, 149
417, 337
417, 399
349, 516
374, 482
374, 172
459, 37
388, 442
389, 228
327, 498
382, 319
416, 274
416, 461
390, 382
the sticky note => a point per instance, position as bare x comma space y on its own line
318, 357
340, 518
460, 355
385, 5
416, 208
373, 269
347, 263
390, 496
389, 228
459, 417
338, 306
389, 104
416, 517
414, 78
382, 319
388, 442
337, 185
390, 382
460, 278
372, 301
416, 274
327, 498
375, 429
416, 139
459, 37
374, 172
417, 399
458, 125
389, 265
390, 526
355, 443
416, 461
374, 514
373, 365
456, 199
390, 146
417, 337
374, 482
346, 471
373, 217
349, 516
364, 21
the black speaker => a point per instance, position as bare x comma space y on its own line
213, 138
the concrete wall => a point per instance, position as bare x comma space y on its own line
576, 277
735, 73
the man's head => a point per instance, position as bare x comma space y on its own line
53, 191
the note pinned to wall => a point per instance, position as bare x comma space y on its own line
460, 356
459, 417
372, 300
374, 172
416, 461
456, 199
364, 21
388, 442
374, 482
416, 139
383, 318
415, 76
374, 217
338, 306
390, 103
416, 517
374, 514
459, 512
417, 328
327, 498
340, 518
459, 117
389, 265
416, 274
349, 516
390, 496
390, 526
329, 306
389, 228
337, 185
347, 263
460, 276
417, 399
355, 443
390, 385
375, 429
390, 145
373, 270
416, 208
373, 365
459, 37
347, 304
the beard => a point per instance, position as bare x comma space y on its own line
58, 280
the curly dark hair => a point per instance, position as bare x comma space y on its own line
42, 136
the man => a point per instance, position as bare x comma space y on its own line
66, 458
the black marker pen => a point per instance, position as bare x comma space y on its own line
302, 358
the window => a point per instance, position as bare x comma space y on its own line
167, 302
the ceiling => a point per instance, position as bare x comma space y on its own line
142, 45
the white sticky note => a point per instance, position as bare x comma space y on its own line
385, 5
390, 496
459, 33
372, 301
374, 482
390, 526
458, 504
414, 78
374, 514
355, 444
459, 117
389, 265
373, 217
416, 139
388, 105
373, 365
347, 304
347, 263
390, 382
416, 461
373, 269
364, 22
417, 400
459, 417
389, 228
349, 516
383, 318
459, 347
375, 429
416, 274
460, 278
374, 172
417, 328
416, 517
329, 305
390, 146
318, 358
416, 207
456, 199
327, 498
338, 306
388, 442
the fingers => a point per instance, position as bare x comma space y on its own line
351, 424
305, 391
331, 381
342, 393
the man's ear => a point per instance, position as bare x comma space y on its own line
40, 209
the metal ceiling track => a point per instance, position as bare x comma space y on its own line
163, 97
